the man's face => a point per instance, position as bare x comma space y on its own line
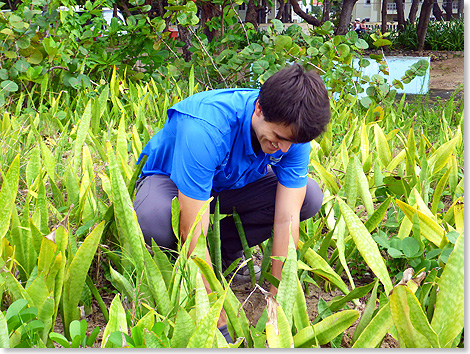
271, 136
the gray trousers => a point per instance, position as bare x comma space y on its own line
253, 202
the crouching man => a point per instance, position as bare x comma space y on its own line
250, 148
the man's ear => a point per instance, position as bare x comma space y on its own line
258, 110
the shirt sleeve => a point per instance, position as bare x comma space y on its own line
292, 170
196, 156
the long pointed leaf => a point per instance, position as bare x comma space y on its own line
366, 245
447, 320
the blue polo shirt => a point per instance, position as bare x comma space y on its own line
205, 145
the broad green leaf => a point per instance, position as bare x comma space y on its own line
117, 322
235, 315
326, 330
365, 148
442, 155
300, 312
204, 334
48, 160
410, 321
25, 252
33, 168
82, 131
260, 66
436, 198
459, 217
286, 295
278, 25
278, 333
156, 284
368, 313
130, 233
76, 273
4, 336
202, 300
376, 218
338, 302
422, 205
376, 330
429, 228
340, 232
184, 328
326, 177
122, 284
322, 268
366, 245
383, 150
448, 320
8, 193
363, 187
396, 160
350, 184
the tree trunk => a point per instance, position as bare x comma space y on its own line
384, 16
436, 11
460, 9
286, 16
326, 11
345, 17
413, 11
280, 12
308, 18
263, 13
185, 36
425, 14
208, 11
251, 13
400, 15
448, 10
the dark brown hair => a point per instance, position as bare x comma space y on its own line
296, 98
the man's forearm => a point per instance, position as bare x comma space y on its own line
281, 245
189, 209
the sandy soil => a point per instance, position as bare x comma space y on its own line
447, 74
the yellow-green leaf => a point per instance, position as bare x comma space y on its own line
383, 150
448, 317
428, 227
365, 245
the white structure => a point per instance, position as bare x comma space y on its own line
371, 10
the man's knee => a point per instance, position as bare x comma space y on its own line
313, 200
156, 224
153, 209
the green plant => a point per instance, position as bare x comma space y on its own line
440, 35
21, 327
77, 331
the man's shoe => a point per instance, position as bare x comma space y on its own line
242, 274
223, 329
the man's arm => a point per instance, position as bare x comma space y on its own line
286, 217
189, 209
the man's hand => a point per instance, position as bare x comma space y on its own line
286, 219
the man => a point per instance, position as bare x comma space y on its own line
357, 25
250, 148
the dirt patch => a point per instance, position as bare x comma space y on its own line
447, 74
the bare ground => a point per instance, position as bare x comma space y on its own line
447, 74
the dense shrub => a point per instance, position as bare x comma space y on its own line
441, 35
